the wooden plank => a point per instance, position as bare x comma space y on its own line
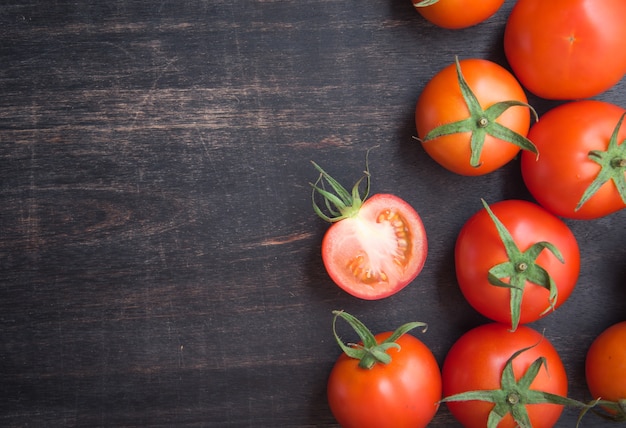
159, 255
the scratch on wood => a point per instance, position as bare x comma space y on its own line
285, 239
330, 141
151, 92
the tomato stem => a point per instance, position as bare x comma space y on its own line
521, 268
339, 202
610, 410
512, 398
369, 351
612, 167
618, 163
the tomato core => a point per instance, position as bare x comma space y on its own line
393, 238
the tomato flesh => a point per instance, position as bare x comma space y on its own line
377, 252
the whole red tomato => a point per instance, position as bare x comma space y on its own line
375, 247
567, 49
455, 14
581, 170
518, 265
478, 361
472, 117
605, 369
403, 392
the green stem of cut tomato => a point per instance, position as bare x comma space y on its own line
520, 268
369, 351
513, 395
339, 202
483, 122
612, 167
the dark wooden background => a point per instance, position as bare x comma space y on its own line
159, 256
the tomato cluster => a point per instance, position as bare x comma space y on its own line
515, 261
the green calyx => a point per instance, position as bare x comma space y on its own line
513, 396
424, 3
482, 122
520, 269
612, 167
339, 202
370, 352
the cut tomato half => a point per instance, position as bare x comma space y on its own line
378, 251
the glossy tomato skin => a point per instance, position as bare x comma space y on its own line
560, 175
441, 102
605, 366
567, 49
478, 248
404, 393
456, 14
379, 251
476, 361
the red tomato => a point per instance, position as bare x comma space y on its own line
403, 393
565, 137
605, 365
455, 14
442, 102
375, 247
567, 49
477, 360
479, 248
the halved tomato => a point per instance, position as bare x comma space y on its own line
375, 247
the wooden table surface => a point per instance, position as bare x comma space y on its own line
159, 256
